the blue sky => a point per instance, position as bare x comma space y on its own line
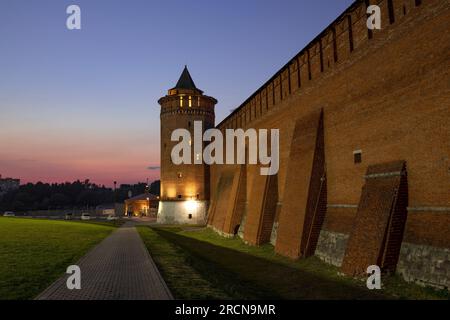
83, 103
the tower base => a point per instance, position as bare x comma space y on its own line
182, 212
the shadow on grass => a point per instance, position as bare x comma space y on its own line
248, 277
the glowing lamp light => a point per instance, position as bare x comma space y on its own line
191, 205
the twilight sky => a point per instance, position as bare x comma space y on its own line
78, 104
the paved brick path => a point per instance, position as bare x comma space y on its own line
119, 268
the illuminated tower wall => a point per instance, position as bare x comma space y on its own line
184, 188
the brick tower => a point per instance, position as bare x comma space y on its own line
185, 187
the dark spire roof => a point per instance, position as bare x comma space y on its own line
185, 81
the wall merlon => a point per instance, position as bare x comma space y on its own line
334, 45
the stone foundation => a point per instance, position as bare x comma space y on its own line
182, 212
425, 265
242, 226
331, 247
220, 232
273, 236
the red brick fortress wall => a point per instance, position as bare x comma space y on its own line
385, 93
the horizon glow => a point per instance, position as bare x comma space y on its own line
82, 104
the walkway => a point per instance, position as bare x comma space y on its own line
119, 268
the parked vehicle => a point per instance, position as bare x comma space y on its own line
112, 218
85, 216
69, 216
9, 214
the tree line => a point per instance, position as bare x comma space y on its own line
69, 195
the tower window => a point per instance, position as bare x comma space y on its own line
181, 101
190, 101
190, 216
357, 156
198, 101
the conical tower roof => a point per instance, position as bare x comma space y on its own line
185, 81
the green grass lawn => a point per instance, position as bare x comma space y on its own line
175, 265
228, 267
34, 253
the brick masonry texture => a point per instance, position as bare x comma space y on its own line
294, 212
261, 215
429, 228
376, 217
385, 93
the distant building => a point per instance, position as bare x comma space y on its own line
8, 184
145, 204
111, 209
